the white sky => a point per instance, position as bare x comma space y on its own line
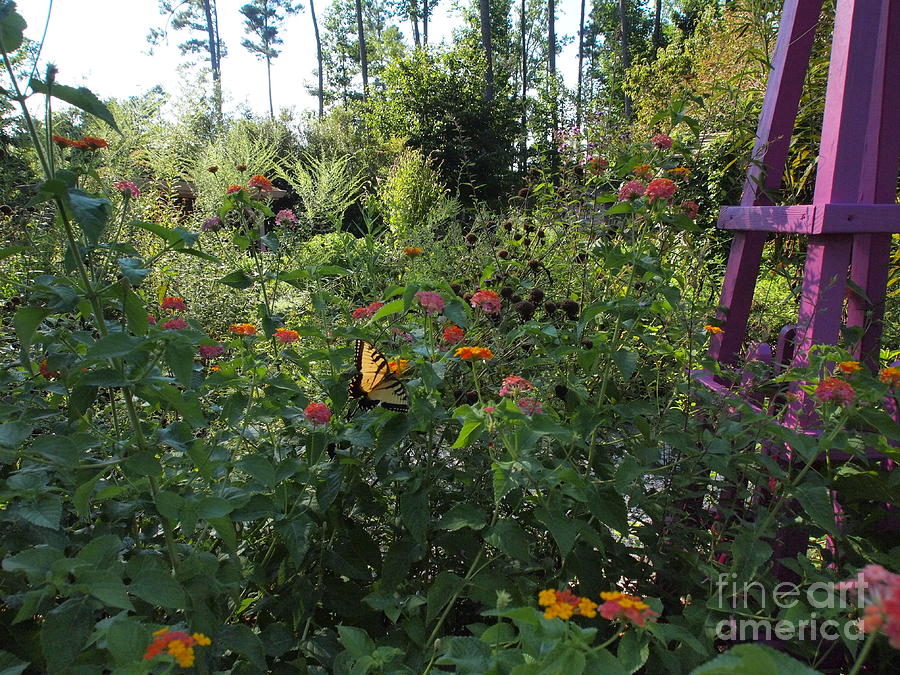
102, 44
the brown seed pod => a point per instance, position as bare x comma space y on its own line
6, 209
212, 169
587, 343
534, 264
524, 192
503, 254
571, 308
536, 295
506, 292
471, 239
456, 288
515, 299
550, 307
240, 167
525, 309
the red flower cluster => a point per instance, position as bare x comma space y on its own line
621, 606
661, 142
565, 604
453, 334
661, 188
174, 303
631, 190
210, 351
89, 143
515, 385
175, 324
835, 390
488, 300
286, 335
46, 372
261, 183
431, 301
367, 312
317, 413
245, 329
233, 188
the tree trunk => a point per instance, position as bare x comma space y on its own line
269, 79
578, 98
523, 25
551, 36
414, 20
312, 11
425, 22
215, 64
484, 10
626, 54
657, 28
363, 57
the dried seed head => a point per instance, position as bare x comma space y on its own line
587, 343
581, 258
534, 264
549, 307
503, 254
561, 391
525, 309
571, 308
506, 292
536, 295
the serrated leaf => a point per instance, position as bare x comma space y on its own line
356, 641
626, 362
45, 511
508, 536
393, 307
12, 665
463, 515
817, 503
113, 346
80, 97
245, 642
135, 312
126, 637
106, 587
560, 526
753, 660
467, 655
64, 632
444, 587
159, 589
237, 279
415, 514
90, 213
26, 321
13, 434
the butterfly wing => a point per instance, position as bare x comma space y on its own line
374, 384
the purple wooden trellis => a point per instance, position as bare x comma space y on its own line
853, 212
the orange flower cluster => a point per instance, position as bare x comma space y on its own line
89, 143
680, 172
835, 390
46, 372
469, 353
177, 644
286, 335
261, 183
619, 605
890, 376
233, 188
565, 604
849, 367
412, 251
713, 330
399, 366
174, 303
246, 329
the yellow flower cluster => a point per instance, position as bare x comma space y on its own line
565, 604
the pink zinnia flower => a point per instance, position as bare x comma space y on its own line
317, 413
210, 351
836, 390
488, 300
690, 209
175, 324
128, 189
515, 385
661, 141
213, 224
286, 216
529, 406
661, 188
631, 190
173, 303
431, 301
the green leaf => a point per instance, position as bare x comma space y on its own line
237, 279
26, 321
106, 587
259, 467
445, 586
626, 362
45, 511
10, 251
508, 536
103, 377
468, 655
394, 307
356, 641
113, 345
179, 356
91, 213
621, 207
13, 434
12, 26
158, 588
135, 312
415, 514
60, 449
633, 650
81, 97
753, 660
133, 269
245, 642
126, 637
64, 632
169, 504
561, 527
463, 515
35, 562
468, 433
816, 501
9, 664
608, 506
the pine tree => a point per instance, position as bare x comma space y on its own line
263, 20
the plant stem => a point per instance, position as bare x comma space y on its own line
863, 654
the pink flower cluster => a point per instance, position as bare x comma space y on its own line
127, 189
367, 312
515, 385
317, 413
631, 190
210, 351
488, 300
431, 301
286, 216
175, 324
213, 224
835, 390
878, 591
661, 141
661, 188
529, 406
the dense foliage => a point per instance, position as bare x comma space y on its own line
187, 482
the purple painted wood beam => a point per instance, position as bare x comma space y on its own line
871, 253
776, 125
813, 218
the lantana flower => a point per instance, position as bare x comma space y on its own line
487, 300
46, 372
641, 170
412, 251
835, 390
622, 606
286, 216
469, 353
231, 189
399, 366
565, 604
515, 385
878, 592
890, 376
680, 172
368, 311
713, 330
245, 329
661, 188
286, 335
849, 367
317, 413
431, 301
177, 644
690, 209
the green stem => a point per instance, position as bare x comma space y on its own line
863, 654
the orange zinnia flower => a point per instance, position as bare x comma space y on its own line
469, 353
93, 143
849, 367
233, 188
261, 183
174, 303
412, 251
243, 329
714, 330
890, 376
286, 335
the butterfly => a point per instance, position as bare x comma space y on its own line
374, 384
